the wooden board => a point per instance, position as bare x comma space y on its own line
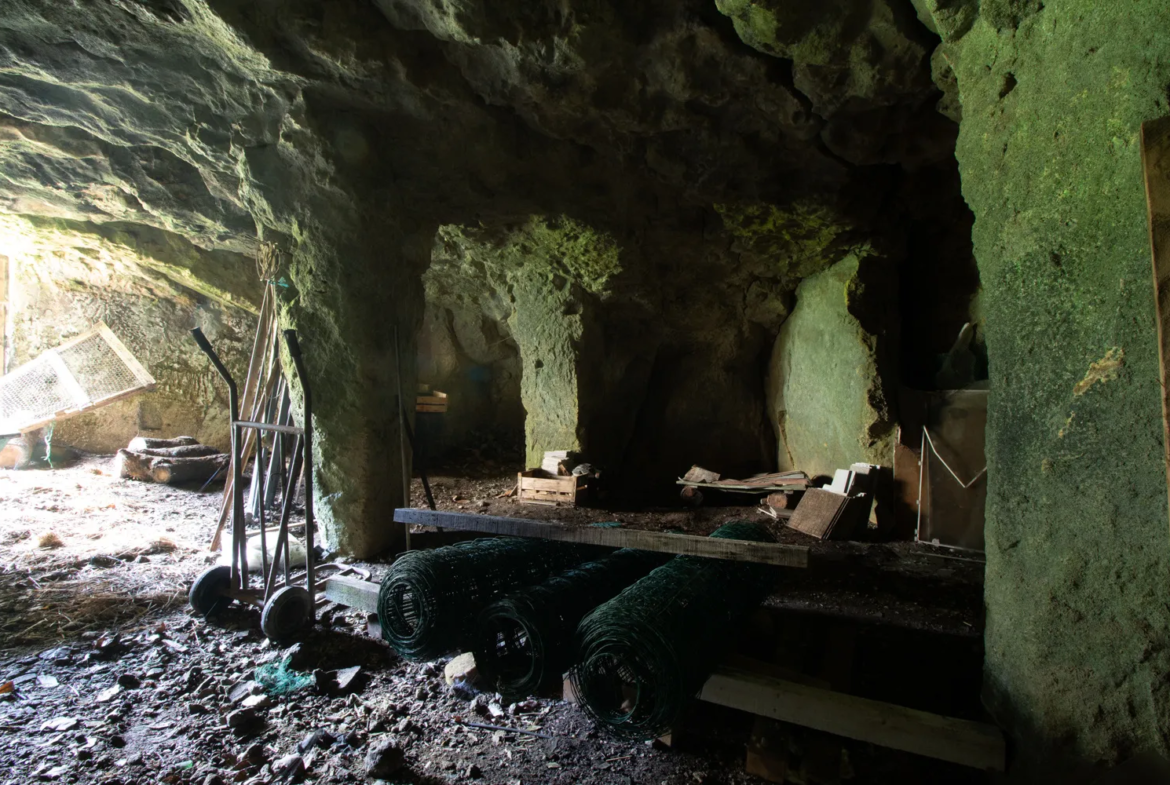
897, 727
684, 544
1156, 168
353, 593
817, 512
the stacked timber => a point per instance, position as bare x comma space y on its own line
170, 461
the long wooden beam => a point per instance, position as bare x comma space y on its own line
1155, 143
964, 742
683, 544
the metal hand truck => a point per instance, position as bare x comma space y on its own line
286, 608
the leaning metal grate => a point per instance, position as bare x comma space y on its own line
89, 371
32, 393
98, 368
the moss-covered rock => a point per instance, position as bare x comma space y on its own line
1077, 613
787, 243
547, 273
826, 398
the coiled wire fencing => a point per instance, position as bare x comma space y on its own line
524, 641
646, 652
428, 602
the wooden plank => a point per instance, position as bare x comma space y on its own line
555, 496
80, 398
683, 544
124, 354
1156, 169
897, 727
353, 592
4, 313
565, 485
264, 426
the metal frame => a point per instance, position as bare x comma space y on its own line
301, 466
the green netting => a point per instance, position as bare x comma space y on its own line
428, 602
524, 642
646, 652
278, 679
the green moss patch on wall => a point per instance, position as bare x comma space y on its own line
538, 278
1078, 623
791, 242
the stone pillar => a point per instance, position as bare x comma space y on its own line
548, 328
1078, 557
826, 400
355, 283
585, 371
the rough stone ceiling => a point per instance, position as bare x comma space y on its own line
206, 118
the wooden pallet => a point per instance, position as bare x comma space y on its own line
538, 486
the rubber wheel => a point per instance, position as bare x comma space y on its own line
207, 592
286, 613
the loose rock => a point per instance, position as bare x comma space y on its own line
461, 669
384, 759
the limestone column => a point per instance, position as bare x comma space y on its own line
355, 282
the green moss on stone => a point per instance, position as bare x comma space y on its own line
537, 279
793, 242
1077, 560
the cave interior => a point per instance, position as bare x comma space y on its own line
752, 236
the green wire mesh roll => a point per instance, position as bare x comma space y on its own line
524, 642
428, 602
646, 652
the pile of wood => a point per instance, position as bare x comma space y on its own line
171, 461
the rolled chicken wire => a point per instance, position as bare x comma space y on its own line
646, 652
428, 602
524, 641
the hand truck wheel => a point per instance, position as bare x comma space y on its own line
208, 591
286, 613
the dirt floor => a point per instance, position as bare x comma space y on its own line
106, 675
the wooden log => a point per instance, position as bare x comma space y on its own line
132, 466
185, 451
172, 471
148, 443
167, 469
779, 500
686, 544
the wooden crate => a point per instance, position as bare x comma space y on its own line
537, 485
435, 403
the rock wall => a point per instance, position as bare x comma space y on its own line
464, 354
723, 149
70, 276
1078, 647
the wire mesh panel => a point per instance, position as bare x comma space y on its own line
89, 371
97, 368
32, 393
